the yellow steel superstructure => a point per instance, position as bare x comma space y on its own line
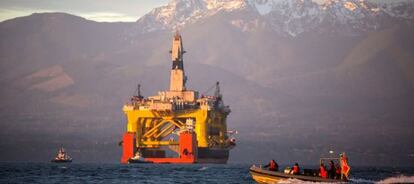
152, 126
155, 119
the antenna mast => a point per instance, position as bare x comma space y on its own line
139, 91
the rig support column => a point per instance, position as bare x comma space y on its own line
188, 146
128, 145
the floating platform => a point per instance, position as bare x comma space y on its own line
177, 125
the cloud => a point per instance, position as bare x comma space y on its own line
109, 17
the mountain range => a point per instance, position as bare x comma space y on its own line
285, 17
301, 78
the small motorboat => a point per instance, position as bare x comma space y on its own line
265, 176
261, 175
62, 157
138, 159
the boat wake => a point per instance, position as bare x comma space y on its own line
398, 179
360, 180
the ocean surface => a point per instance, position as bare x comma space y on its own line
168, 173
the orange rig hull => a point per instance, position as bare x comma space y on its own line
189, 152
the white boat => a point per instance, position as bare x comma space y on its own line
62, 157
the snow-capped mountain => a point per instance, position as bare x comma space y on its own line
181, 12
298, 16
288, 17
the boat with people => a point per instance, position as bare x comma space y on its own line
62, 157
272, 175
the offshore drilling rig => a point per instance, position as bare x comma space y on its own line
177, 126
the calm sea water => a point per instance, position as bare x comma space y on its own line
169, 173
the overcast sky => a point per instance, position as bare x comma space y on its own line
98, 10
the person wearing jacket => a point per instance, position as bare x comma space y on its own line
295, 169
322, 171
331, 170
272, 166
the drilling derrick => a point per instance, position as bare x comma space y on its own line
177, 126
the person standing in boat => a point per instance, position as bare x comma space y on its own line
332, 170
344, 167
322, 171
272, 166
295, 170
337, 171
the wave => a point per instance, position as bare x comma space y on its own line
203, 168
360, 180
398, 179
